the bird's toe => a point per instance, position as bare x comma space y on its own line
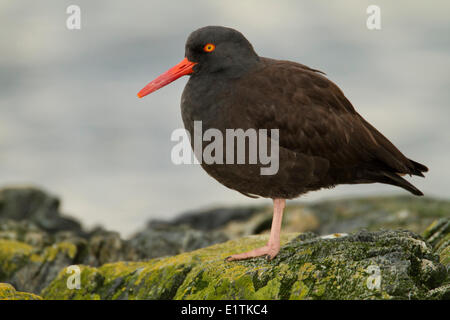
267, 251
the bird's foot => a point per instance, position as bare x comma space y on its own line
270, 251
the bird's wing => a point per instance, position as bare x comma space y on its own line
315, 118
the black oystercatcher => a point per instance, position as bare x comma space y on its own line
323, 141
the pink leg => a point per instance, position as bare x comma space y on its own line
272, 247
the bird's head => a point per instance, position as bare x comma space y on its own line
209, 50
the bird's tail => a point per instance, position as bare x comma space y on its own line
394, 179
418, 168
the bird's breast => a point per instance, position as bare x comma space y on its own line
206, 100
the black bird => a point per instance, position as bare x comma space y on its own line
323, 141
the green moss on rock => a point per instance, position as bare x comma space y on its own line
31, 269
364, 265
438, 235
7, 292
13, 255
66, 248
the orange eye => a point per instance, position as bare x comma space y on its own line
209, 47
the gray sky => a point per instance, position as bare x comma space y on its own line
71, 123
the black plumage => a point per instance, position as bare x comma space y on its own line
323, 141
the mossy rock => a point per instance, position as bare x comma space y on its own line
31, 269
13, 255
364, 265
7, 292
438, 235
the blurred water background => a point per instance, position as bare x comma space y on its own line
70, 120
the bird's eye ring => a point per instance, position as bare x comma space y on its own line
209, 47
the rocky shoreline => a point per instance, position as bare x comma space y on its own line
183, 258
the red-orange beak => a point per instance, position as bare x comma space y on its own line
183, 68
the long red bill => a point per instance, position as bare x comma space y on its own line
183, 68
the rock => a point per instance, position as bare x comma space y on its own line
323, 217
438, 235
24, 231
210, 219
31, 269
31, 216
36, 206
7, 292
390, 212
166, 240
363, 265
37, 241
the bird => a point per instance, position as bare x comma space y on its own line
323, 141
